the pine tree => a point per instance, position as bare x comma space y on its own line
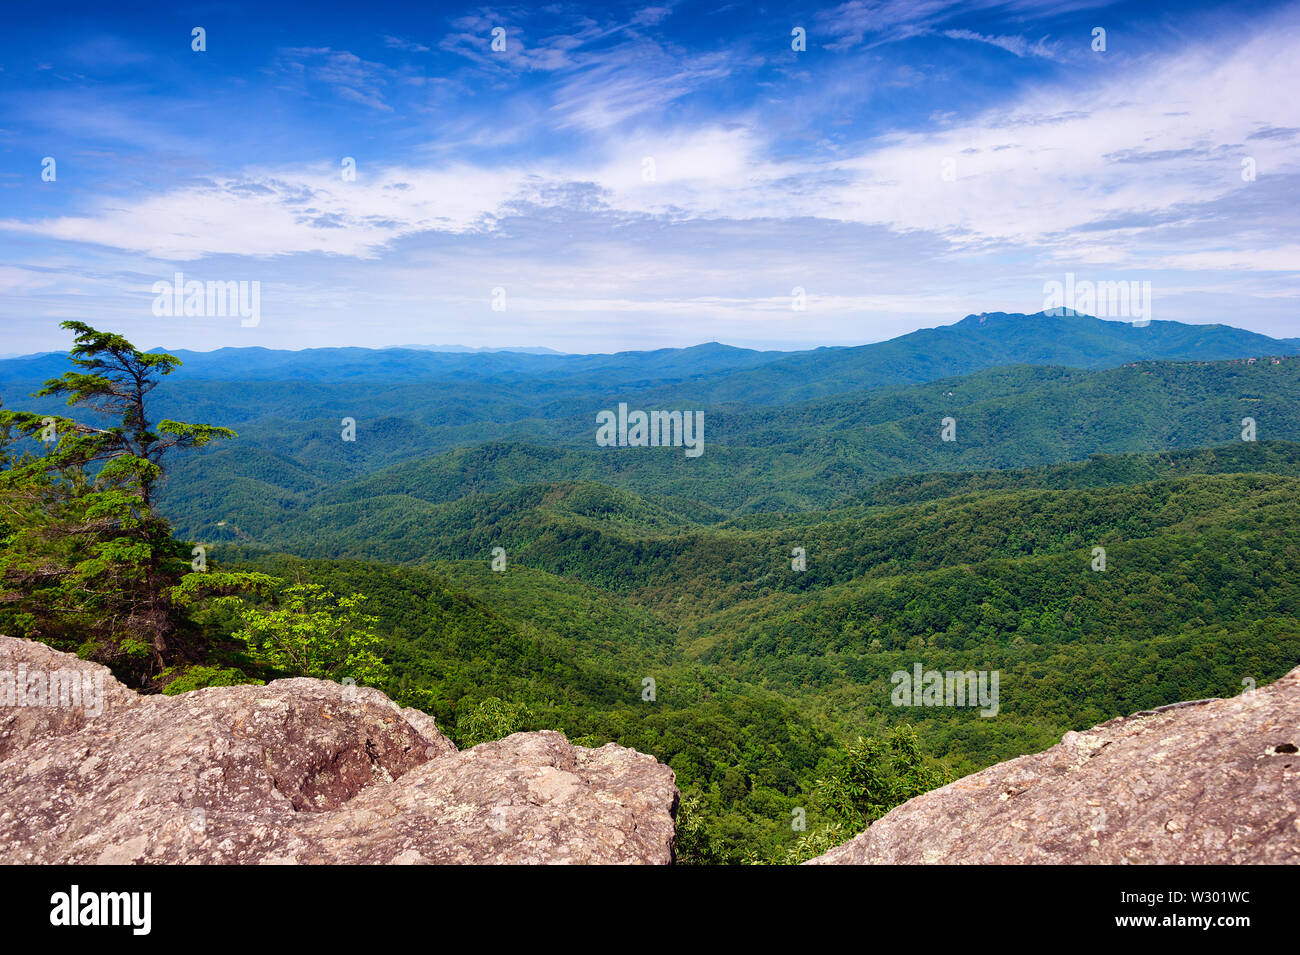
88, 563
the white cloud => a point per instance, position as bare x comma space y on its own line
1137, 168
16, 280
1041, 172
1016, 45
643, 83
279, 212
351, 77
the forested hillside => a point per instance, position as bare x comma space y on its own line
1199, 594
1110, 526
788, 458
783, 431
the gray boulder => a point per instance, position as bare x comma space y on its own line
305, 771
1208, 782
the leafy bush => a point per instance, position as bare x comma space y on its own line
491, 719
311, 632
182, 680
871, 776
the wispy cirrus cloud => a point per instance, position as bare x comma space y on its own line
871, 170
642, 83
398, 43
1015, 45
350, 77
1034, 172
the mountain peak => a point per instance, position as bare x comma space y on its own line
983, 318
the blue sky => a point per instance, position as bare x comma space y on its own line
918, 161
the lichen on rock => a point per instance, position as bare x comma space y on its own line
1207, 782
304, 771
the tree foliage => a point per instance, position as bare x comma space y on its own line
491, 719
87, 562
309, 631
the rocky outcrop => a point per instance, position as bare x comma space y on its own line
35, 666
302, 771
1209, 782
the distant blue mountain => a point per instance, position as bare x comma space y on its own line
988, 340
717, 372
531, 350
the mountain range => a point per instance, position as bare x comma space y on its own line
828, 536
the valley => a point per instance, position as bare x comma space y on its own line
826, 539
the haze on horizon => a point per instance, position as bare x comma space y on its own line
914, 164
